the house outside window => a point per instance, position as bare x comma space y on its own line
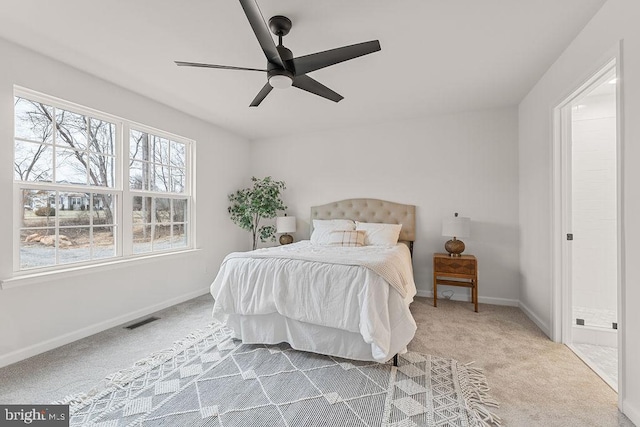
85, 193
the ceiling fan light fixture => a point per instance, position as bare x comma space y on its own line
283, 69
280, 81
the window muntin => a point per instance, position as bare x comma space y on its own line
73, 149
61, 227
159, 223
157, 181
69, 190
156, 163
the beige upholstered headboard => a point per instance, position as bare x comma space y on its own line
371, 210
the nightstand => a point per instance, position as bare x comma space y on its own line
455, 271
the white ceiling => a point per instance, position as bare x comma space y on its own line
438, 56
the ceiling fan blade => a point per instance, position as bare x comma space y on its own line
261, 95
261, 31
223, 67
310, 85
316, 61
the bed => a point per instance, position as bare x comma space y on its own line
347, 302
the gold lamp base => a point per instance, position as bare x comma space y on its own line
286, 239
454, 246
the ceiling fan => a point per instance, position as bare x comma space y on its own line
283, 70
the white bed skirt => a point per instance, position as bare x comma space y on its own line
274, 328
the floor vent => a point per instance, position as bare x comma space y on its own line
142, 322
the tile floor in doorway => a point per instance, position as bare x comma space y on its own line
603, 360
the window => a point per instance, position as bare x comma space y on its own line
70, 169
157, 172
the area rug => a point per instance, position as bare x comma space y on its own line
210, 379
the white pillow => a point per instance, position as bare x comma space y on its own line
380, 234
323, 227
350, 238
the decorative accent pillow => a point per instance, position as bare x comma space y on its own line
380, 234
323, 227
350, 238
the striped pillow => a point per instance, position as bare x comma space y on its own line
350, 238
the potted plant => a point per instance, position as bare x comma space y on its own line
250, 205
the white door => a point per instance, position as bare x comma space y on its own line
590, 219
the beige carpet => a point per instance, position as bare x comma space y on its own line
537, 382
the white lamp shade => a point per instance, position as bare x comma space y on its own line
457, 226
286, 224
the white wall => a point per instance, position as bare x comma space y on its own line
464, 163
52, 311
617, 20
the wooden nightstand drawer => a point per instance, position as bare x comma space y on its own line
458, 265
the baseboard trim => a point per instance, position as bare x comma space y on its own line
481, 299
631, 412
498, 301
535, 319
50, 344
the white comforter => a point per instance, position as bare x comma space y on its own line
347, 297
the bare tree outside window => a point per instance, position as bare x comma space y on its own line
157, 165
61, 147
66, 164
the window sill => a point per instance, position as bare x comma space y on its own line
23, 279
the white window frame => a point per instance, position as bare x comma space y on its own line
123, 218
188, 193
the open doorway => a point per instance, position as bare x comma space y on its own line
590, 223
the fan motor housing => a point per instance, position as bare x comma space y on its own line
285, 53
274, 69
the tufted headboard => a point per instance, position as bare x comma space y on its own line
371, 210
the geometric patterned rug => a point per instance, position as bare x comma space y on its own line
210, 379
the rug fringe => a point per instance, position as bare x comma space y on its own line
476, 392
123, 377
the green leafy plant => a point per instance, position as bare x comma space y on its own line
250, 205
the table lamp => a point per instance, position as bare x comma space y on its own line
286, 224
455, 227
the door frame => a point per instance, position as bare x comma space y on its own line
560, 251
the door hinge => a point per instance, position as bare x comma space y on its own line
569, 236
